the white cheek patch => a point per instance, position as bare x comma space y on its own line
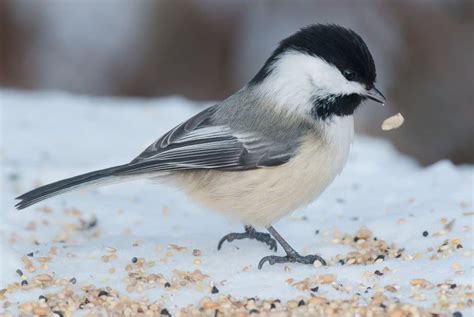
297, 78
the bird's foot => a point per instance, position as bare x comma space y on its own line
291, 258
250, 233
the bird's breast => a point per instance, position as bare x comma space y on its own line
262, 196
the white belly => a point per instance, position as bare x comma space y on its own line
262, 196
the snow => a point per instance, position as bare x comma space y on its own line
48, 136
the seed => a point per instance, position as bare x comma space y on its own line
41, 311
19, 272
420, 282
165, 312
315, 289
73, 280
24, 283
377, 272
111, 249
457, 314
315, 301
379, 259
44, 279
103, 293
425, 233
167, 285
391, 288
208, 304
393, 122
301, 303
254, 311
456, 266
363, 233
327, 278
30, 254
43, 298
214, 290
134, 259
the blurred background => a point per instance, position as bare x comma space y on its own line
205, 50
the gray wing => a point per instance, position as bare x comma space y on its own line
199, 143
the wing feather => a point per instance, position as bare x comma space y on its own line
199, 143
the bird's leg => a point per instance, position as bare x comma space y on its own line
250, 233
291, 255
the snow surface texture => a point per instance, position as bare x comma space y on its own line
50, 136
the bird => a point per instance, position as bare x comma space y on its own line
268, 149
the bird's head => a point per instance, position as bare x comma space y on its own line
322, 71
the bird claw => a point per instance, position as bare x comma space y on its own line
249, 234
291, 258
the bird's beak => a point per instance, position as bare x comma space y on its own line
376, 95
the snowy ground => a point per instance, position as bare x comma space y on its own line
49, 136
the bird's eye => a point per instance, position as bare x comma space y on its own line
349, 74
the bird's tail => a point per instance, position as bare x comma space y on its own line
100, 177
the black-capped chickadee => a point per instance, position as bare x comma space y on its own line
268, 149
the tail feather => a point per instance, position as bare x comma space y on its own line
110, 174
